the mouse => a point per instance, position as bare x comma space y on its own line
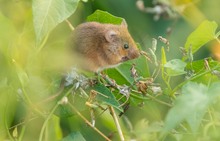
98, 46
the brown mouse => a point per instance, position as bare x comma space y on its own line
98, 46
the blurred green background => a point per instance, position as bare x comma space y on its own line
24, 71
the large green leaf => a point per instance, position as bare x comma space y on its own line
204, 33
106, 96
48, 13
104, 17
191, 105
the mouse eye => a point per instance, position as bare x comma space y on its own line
126, 46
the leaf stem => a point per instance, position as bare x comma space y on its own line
151, 97
87, 122
197, 76
43, 43
50, 115
46, 121
5, 121
70, 25
111, 109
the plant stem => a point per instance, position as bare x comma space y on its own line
6, 123
43, 43
27, 99
70, 25
159, 101
50, 115
46, 121
116, 123
150, 97
87, 122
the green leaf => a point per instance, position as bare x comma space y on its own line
141, 66
204, 33
191, 105
106, 96
48, 14
175, 67
74, 136
199, 66
163, 59
122, 73
104, 17
53, 130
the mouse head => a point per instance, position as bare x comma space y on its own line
121, 46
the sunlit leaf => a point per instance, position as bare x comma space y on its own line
104, 17
175, 67
105, 95
49, 13
204, 33
74, 136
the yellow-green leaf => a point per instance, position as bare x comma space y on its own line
204, 33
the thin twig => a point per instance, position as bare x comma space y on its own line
155, 99
116, 123
51, 114
87, 122
70, 25
46, 122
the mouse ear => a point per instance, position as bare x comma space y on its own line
110, 35
123, 23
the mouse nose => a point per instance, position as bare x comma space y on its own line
134, 54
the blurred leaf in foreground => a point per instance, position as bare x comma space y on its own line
191, 105
48, 13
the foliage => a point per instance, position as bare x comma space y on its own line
173, 99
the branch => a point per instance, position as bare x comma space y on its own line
111, 109
97, 130
70, 25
